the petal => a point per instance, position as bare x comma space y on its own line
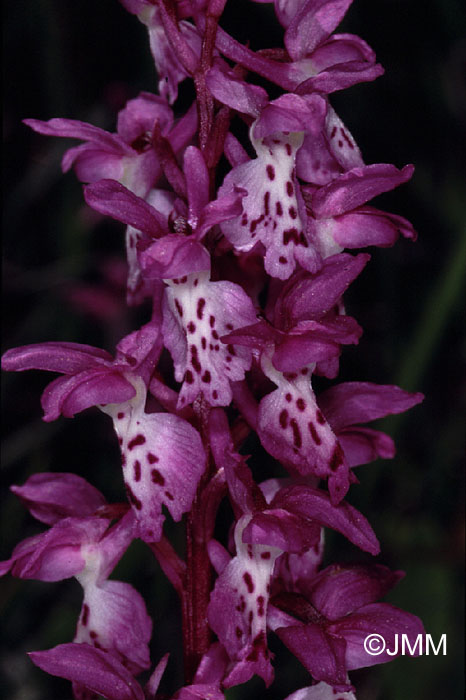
356, 187
50, 497
307, 296
358, 402
273, 210
326, 154
293, 430
323, 654
312, 24
366, 226
138, 116
56, 554
315, 504
205, 311
378, 618
236, 93
163, 460
72, 128
114, 619
174, 256
113, 199
55, 357
93, 668
339, 590
363, 445
320, 691
92, 163
295, 571
70, 395
238, 607
282, 529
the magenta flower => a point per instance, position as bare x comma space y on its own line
326, 627
113, 615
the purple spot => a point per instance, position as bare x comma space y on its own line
151, 458
291, 234
265, 555
283, 418
179, 308
200, 308
337, 459
279, 208
314, 434
138, 440
289, 188
132, 498
169, 496
270, 170
293, 213
188, 377
320, 417
288, 397
288, 148
260, 605
211, 321
195, 359
301, 404
282, 260
191, 327
297, 440
267, 203
137, 470
248, 581
157, 477
203, 343
206, 377
85, 615
215, 394
120, 415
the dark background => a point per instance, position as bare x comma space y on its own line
82, 60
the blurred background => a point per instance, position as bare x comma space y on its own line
83, 60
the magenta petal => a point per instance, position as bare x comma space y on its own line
323, 654
293, 430
320, 691
359, 402
114, 619
55, 357
367, 226
238, 607
140, 114
308, 296
72, 128
312, 24
237, 94
163, 460
340, 77
197, 313
174, 256
363, 445
113, 199
50, 497
56, 554
70, 395
313, 504
282, 529
338, 590
377, 618
95, 669
356, 187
